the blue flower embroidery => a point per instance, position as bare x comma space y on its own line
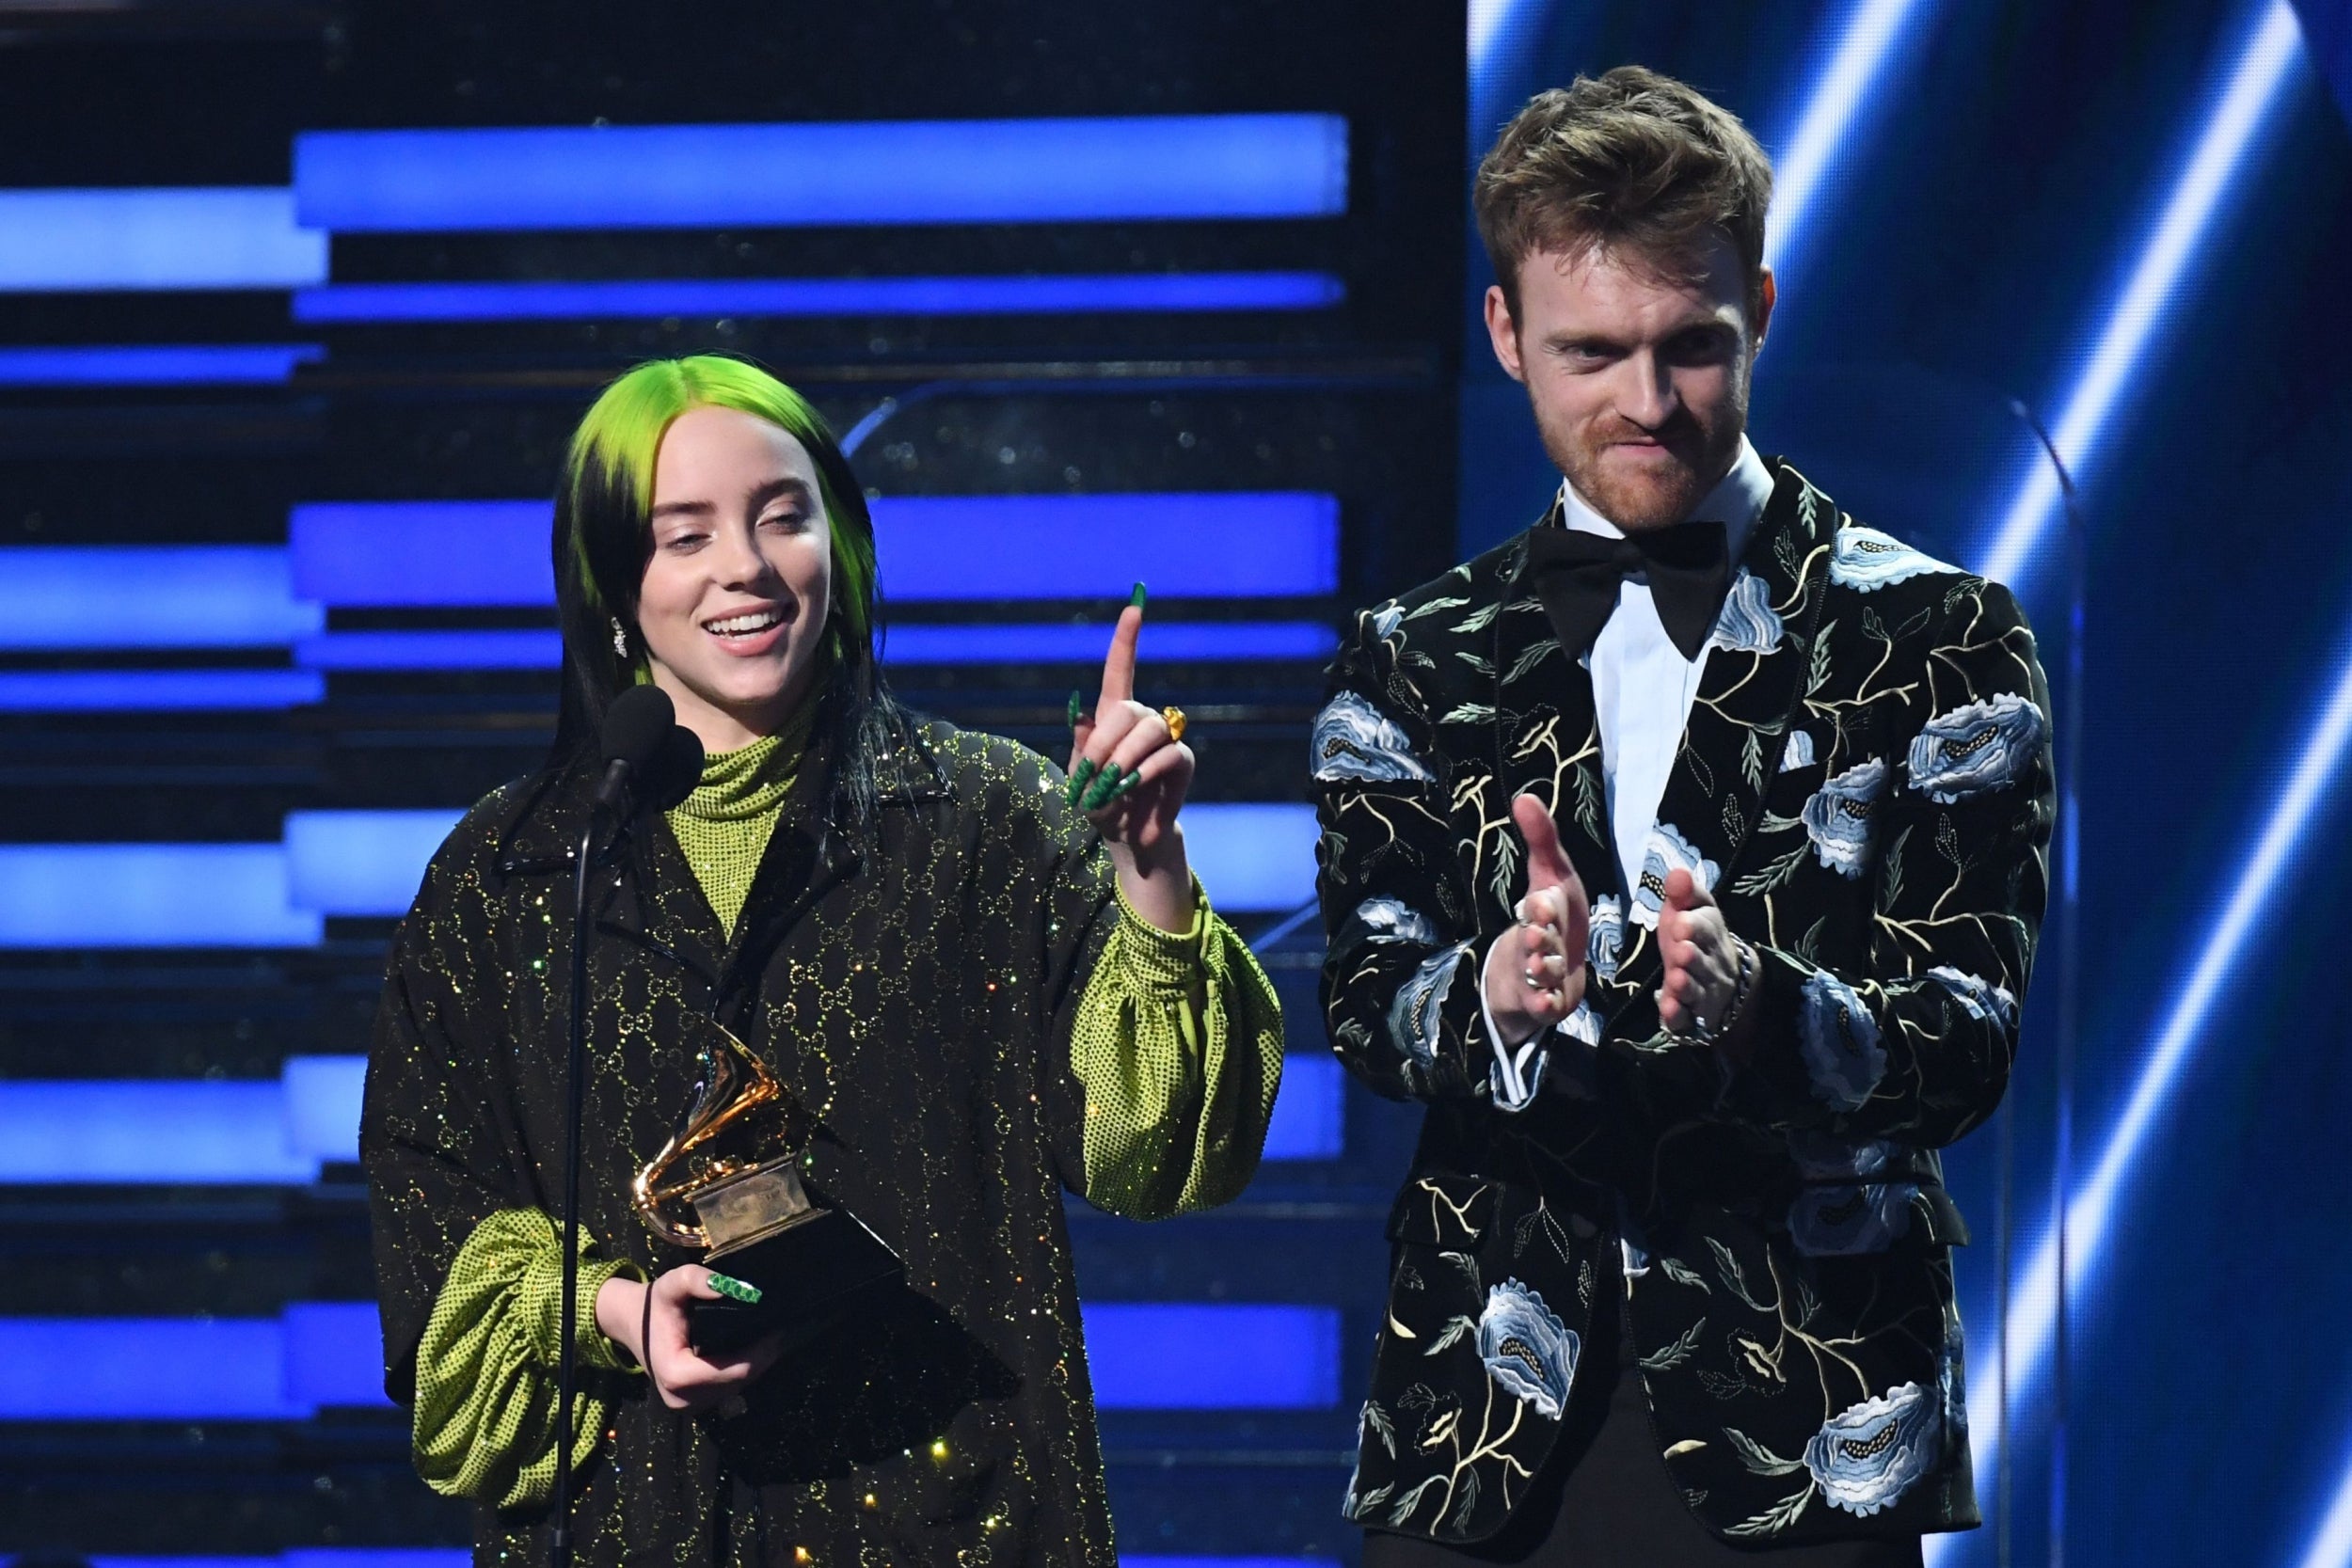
1982, 1000
1389, 920
1842, 817
1865, 1459
1863, 559
1747, 623
1387, 619
1582, 1025
1417, 1012
1974, 749
1798, 753
1354, 740
1666, 850
1841, 1042
1607, 935
1526, 1348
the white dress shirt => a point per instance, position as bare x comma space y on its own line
1643, 687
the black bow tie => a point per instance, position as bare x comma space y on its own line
1576, 575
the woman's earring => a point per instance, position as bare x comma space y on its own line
620, 638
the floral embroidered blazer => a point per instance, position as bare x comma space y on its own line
1865, 785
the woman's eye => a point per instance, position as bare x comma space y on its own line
680, 543
790, 522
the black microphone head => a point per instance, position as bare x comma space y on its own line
636, 726
674, 771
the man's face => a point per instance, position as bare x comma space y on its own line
1639, 386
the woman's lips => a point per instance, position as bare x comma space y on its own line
749, 644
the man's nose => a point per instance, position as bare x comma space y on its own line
1647, 396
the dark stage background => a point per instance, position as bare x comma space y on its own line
225, 746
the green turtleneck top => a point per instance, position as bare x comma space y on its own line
724, 825
1177, 1032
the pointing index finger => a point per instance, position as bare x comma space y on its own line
1119, 669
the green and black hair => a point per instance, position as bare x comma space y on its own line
604, 537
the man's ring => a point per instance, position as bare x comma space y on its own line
1175, 717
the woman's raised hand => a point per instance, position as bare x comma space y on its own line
1130, 772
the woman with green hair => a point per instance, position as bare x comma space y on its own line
984, 980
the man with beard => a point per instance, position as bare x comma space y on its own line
1684, 856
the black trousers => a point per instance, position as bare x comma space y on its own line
1605, 1501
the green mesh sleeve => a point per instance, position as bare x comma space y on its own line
1178, 1043
486, 1365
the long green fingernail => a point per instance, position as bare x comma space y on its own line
1133, 779
1078, 777
1102, 790
736, 1290
1077, 707
1136, 597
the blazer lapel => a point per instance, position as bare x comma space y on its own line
1547, 733
1760, 657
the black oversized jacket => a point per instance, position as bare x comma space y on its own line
913, 984
1865, 784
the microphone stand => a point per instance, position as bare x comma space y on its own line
575, 1095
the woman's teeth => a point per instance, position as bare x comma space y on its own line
740, 625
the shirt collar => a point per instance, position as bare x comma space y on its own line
1736, 501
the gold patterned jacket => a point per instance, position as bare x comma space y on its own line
1865, 785
914, 983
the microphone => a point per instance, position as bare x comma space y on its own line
651, 762
636, 729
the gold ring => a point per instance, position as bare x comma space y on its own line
1175, 717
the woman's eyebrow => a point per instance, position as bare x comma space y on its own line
788, 484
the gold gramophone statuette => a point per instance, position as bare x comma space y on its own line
735, 1159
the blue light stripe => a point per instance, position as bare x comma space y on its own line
190, 1133
156, 365
361, 862
2239, 111
183, 1132
115, 895
192, 238
1161, 1355
2253, 84
1274, 544
1855, 69
790, 176
156, 690
1253, 856
652, 298
360, 555
1309, 1112
67, 597
1232, 545
2330, 1545
315, 1355
491, 649
1164, 642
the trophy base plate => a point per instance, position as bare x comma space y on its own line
811, 1274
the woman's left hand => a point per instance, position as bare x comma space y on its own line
1130, 776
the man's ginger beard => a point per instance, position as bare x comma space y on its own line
1661, 498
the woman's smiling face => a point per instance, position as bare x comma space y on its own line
732, 609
